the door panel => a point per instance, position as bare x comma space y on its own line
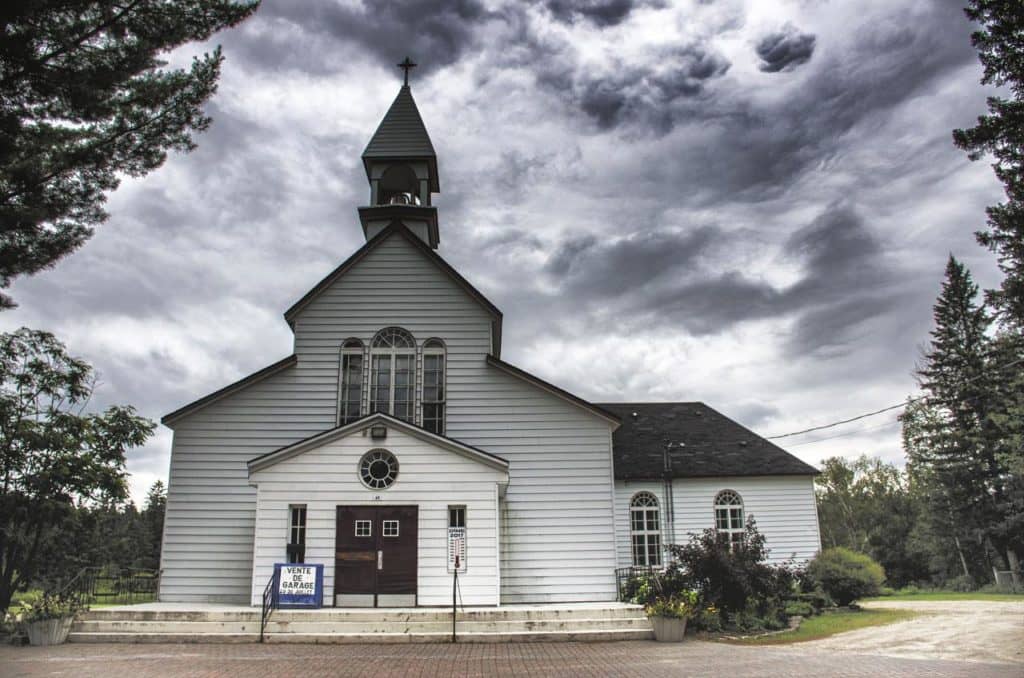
397, 570
355, 562
376, 555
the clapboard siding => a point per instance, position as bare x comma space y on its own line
783, 507
429, 477
558, 542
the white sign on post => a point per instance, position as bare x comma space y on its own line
456, 548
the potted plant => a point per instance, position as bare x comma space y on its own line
47, 621
668, 615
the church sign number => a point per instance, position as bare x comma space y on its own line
299, 586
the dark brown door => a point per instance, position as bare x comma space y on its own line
376, 553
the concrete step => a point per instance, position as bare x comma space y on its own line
356, 615
342, 638
320, 626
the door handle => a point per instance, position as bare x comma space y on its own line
380, 560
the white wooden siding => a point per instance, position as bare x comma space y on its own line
558, 537
783, 507
429, 477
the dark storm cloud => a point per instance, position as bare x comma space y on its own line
645, 93
785, 49
626, 265
601, 13
667, 278
435, 33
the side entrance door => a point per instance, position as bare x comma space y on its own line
375, 559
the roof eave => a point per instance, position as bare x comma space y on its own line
206, 400
554, 390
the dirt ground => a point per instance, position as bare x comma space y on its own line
968, 630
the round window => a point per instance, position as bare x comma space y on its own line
378, 469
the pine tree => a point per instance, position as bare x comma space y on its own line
85, 100
1000, 45
961, 454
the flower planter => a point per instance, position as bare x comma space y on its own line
49, 631
668, 629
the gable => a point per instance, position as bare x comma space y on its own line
713, 445
386, 239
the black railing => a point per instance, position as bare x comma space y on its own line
270, 601
624, 574
112, 586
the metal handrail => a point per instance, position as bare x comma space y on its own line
124, 584
270, 602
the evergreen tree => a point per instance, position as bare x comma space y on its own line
1000, 45
153, 521
961, 454
84, 100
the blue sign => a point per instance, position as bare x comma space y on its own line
299, 585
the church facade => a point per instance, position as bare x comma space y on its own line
395, 445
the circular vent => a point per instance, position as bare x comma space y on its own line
378, 469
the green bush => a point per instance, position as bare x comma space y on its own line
733, 580
846, 575
798, 608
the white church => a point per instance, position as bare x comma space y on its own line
395, 437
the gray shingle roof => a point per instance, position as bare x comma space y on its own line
714, 445
401, 133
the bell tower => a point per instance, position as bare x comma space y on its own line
401, 167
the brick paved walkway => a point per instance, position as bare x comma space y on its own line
640, 659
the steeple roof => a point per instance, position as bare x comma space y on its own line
402, 134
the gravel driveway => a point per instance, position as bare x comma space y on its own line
963, 630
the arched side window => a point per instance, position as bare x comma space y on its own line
392, 373
433, 401
729, 518
350, 393
645, 530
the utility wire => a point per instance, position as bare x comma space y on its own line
860, 431
886, 409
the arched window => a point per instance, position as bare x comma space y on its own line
645, 530
433, 386
350, 394
392, 383
729, 515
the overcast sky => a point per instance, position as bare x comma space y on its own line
744, 203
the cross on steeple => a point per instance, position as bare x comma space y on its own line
407, 66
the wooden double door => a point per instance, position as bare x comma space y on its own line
375, 556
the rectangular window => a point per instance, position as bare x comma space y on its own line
390, 528
433, 392
404, 385
363, 528
380, 388
351, 399
296, 550
456, 516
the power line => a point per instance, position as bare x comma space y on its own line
885, 409
860, 431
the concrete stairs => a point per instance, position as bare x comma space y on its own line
519, 623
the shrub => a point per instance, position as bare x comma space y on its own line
846, 575
963, 583
799, 608
735, 580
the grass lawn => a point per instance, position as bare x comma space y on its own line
950, 595
829, 624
